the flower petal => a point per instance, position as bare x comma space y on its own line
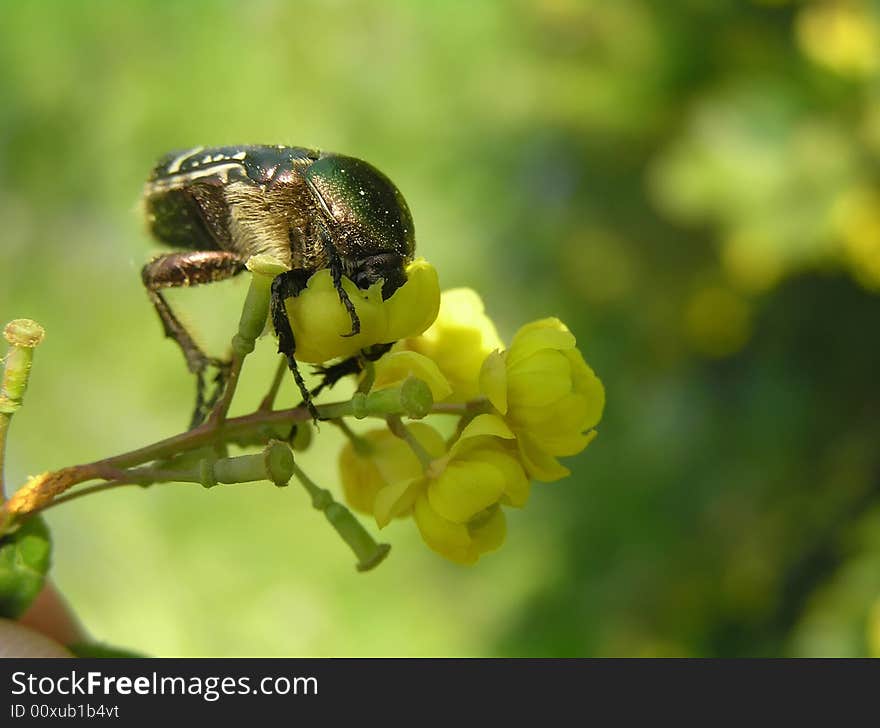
360, 478
462, 308
516, 484
458, 341
489, 535
396, 366
466, 487
549, 333
396, 500
493, 380
539, 380
448, 539
538, 464
560, 430
483, 425
587, 384
413, 307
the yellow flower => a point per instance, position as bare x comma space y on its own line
320, 322
380, 458
481, 469
457, 503
548, 395
462, 543
458, 341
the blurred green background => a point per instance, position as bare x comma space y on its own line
692, 186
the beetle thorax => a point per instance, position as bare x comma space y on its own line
278, 221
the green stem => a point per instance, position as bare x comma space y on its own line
251, 429
269, 400
395, 424
96, 488
479, 405
254, 312
369, 376
248, 430
361, 445
273, 464
369, 553
218, 416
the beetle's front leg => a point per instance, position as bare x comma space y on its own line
336, 273
176, 270
288, 285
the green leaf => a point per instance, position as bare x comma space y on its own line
24, 561
99, 649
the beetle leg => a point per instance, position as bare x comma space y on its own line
331, 374
336, 273
176, 270
287, 285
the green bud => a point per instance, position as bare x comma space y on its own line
302, 437
265, 265
23, 336
24, 332
411, 398
256, 306
415, 398
278, 459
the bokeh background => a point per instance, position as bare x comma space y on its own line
693, 186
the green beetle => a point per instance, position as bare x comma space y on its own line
310, 209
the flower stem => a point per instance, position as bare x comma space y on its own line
369, 553
395, 424
476, 406
251, 324
369, 376
269, 400
361, 445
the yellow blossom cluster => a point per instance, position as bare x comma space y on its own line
519, 408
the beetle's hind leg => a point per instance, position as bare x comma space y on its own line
287, 285
177, 270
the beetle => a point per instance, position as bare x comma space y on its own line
309, 209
